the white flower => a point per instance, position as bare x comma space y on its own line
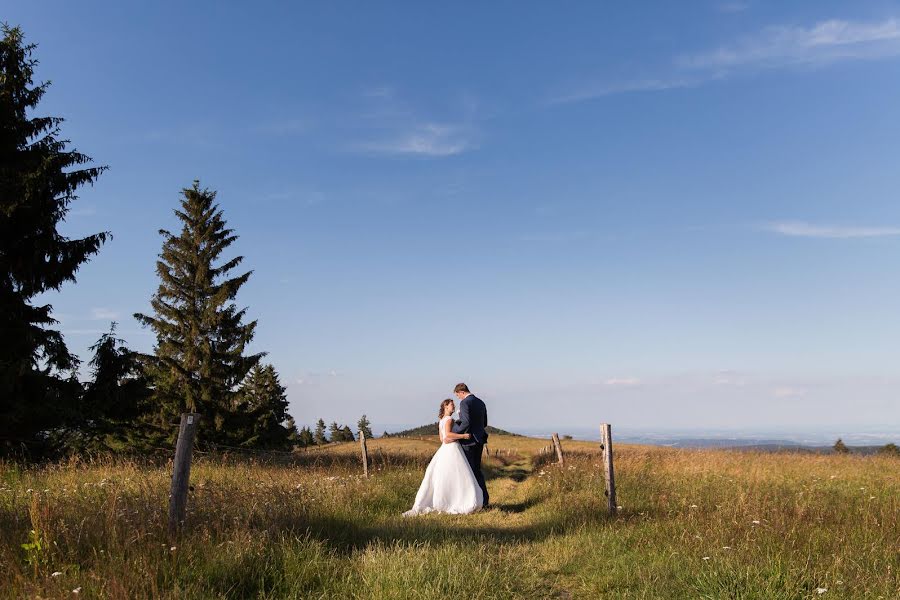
756, 522
693, 506
55, 573
77, 590
726, 547
705, 558
173, 548
821, 591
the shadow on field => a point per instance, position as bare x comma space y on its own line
345, 536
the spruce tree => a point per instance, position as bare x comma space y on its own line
39, 178
199, 358
306, 437
335, 432
840, 447
365, 427
115, 400
319, 436
264, 400
347, 434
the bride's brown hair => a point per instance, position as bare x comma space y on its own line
443, 405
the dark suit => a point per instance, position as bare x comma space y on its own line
473, 420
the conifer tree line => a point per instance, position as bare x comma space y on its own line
201, 361
333, 433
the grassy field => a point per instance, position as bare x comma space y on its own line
693, 524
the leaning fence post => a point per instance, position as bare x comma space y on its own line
181, 473
606, 445
558, 446
365, 453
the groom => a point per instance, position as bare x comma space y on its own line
473, 420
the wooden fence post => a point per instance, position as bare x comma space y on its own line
558, 446
365, 453
609, 473
181, 474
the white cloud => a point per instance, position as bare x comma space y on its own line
623, 382
103, 314
554, 237
824, 42
801, 229
788, 392
622, 87
732, 7
778, 46
426, 139
289, 126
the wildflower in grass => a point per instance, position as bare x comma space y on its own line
726, 547
821, 591
705, 558
756, 522
77, 590
693, 506
55, 573
173, 548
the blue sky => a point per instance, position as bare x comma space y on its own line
656, 214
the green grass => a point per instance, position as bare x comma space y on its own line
693, 524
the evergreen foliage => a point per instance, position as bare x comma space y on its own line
115, 400
199, 359
347, 434
306, 438
840, 447
264, 402
39, 178
319, 436
365, 427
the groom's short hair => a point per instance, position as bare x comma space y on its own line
461, 387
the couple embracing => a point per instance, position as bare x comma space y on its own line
453, 481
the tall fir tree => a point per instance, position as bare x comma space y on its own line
264, 400
365, 427
319, 436
199, 359
347, 434
39, 178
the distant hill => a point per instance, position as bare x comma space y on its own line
432, 429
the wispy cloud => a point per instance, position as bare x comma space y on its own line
554, 236
426, 139
824, 42
104, 314
788, 392
284, 127
779, 46
622, 382
801, 229
600, 90
732, 7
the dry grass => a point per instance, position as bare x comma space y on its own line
693, 524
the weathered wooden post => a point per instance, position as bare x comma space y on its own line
181, 473
558, 446
606, 445
365, 453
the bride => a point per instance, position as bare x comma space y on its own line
449, 485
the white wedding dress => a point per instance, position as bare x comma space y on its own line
449, 485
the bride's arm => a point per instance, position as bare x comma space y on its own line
449, 436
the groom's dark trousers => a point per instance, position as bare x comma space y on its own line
473, 455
